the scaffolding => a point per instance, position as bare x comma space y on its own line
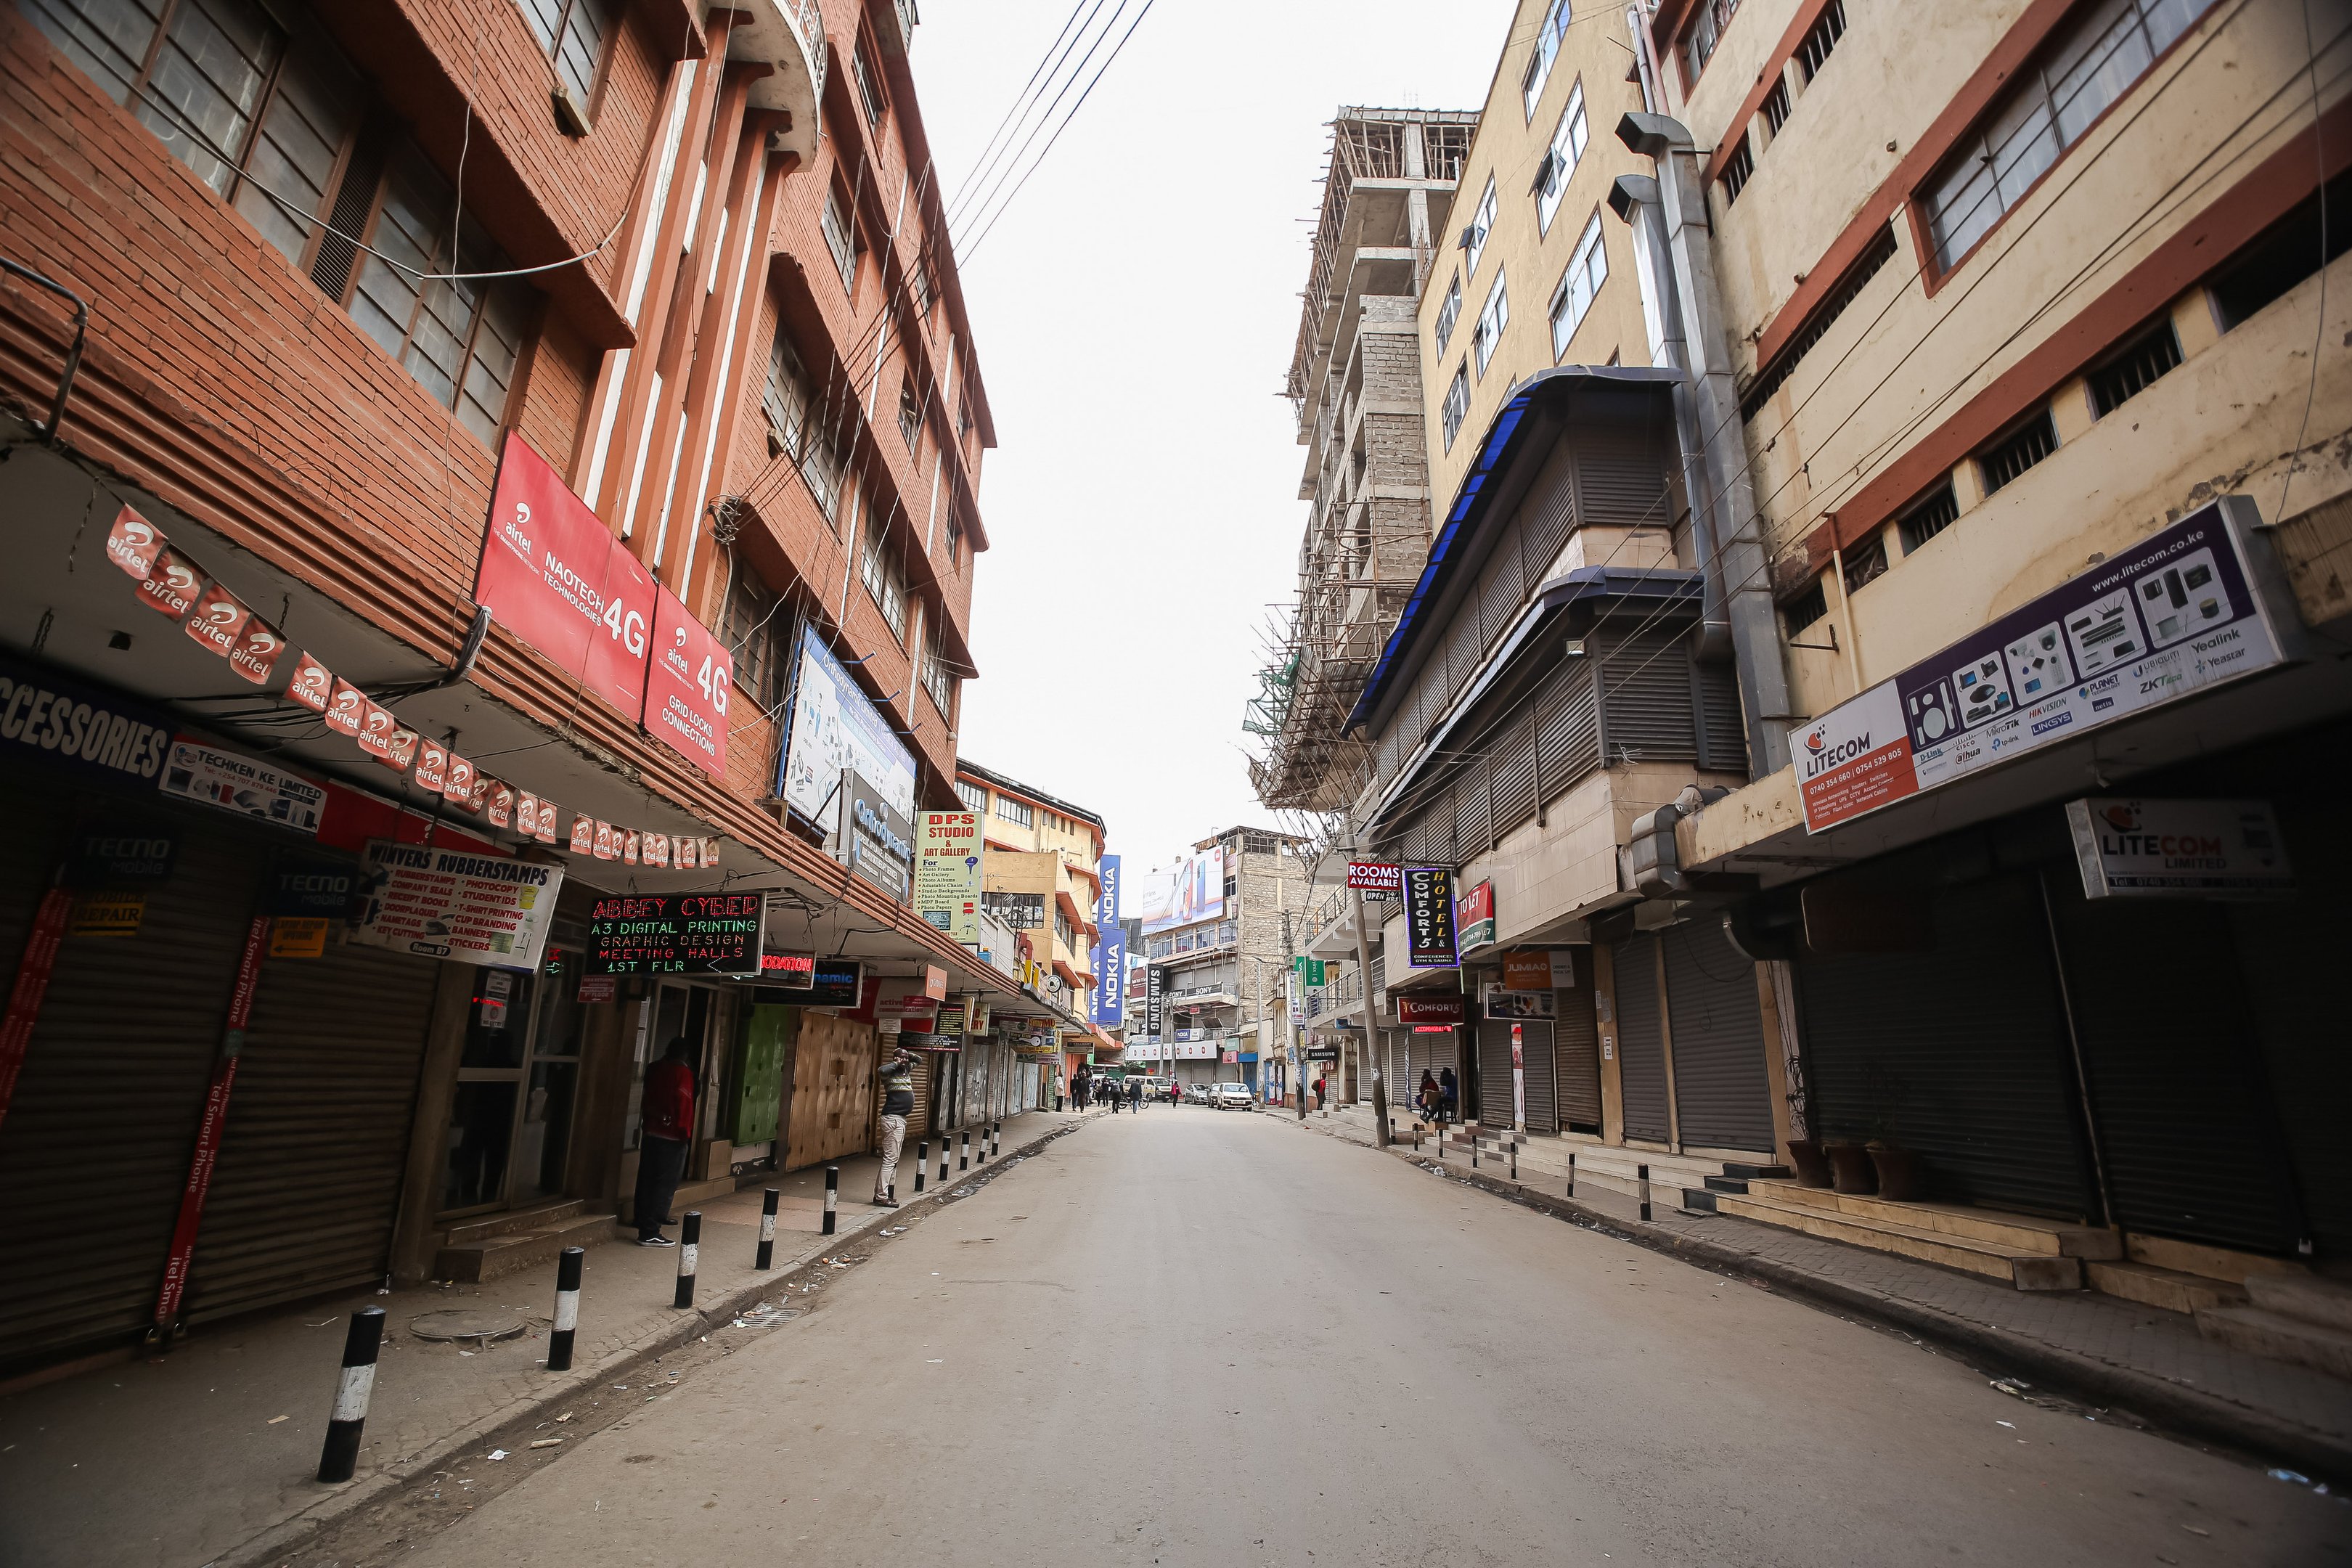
1354, 384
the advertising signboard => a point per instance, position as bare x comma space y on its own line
1429, 916
837, 985
1501, 1001
115, 854
193, 771
61, 723
835, 726
1540, 968
2134, 849
947, 872
1376, 878
677, 934
877, 839
450, 903
1155, 1000
552, 573
1110, 1005
687, 682
1475, 917
2172, 615
1194, 890
1438, 1009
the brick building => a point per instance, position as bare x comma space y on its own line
307, 313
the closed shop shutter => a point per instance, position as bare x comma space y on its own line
833, 1091
1543, 1105
1641, 1039
317, 1138
1576, 1051
97, 1143
2185, 1126
1722, 1096
1494, 1073
1432, 1053
1958, 1053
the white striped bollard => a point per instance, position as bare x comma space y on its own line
767, 1258
689, 1249
922, 1160
995, 1138
340, 1457
963, 1154
1644, 1173
1514, 1147
832, 1195
567, 1308
1474, 1150
943, 1159
1571, 1173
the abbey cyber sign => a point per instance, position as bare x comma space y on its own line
2174, 615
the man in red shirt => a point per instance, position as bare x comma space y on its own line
668, 1107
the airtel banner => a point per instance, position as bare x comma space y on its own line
685, 691
553, 574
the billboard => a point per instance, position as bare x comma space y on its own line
1109, 1006
947, 872
1429, 916
877, 840
835, 727
1194, 890
688, 684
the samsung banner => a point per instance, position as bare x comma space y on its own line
834, 727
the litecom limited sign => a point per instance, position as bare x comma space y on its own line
2131, 848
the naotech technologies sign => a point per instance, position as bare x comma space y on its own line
2174, 615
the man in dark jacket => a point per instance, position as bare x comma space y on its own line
669, 1126
898, 1104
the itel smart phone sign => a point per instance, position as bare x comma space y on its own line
553, 574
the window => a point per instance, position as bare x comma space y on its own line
1865, 564
1813, 49
1492, 319
1587, 270
2080, 71
2128, 373
1709, 19
753, 628
910, 414
1928, 517
2018, 451
938, 679
955, 542
877, 568
840, 236
1482, 224
1807, 607
1823, 316
1456, 407
1449, 311
789, 403
1014, 811
869, 84
2317, 231
973, 797
572, 32
1232, 886
1776, 106
1736, 168
1548, 34
1559, 162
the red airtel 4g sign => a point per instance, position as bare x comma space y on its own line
554, 575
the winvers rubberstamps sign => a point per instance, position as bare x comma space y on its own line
446, 903
677, 934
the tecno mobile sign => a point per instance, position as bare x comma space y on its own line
2174, 615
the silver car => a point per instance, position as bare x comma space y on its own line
1231, 1097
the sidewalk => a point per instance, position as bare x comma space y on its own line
206, 1454
2110, 1352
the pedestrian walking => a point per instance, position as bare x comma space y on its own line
1318, 1092
1428, 1097
1135, 1095
898, 1104
668, 1134
1110, 1092
1078, 1089
1175, 1094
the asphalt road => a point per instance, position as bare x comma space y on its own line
1200, 1338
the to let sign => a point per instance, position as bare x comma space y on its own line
687, 685
552, 573
672, 933
1429, 916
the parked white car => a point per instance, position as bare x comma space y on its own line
1231, 1097
1196, 1093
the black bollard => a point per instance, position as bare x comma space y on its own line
1643, 1171
689, 1248
1515, 1159
996, 1138
1571, 1173
340, 1457
767, 1258
567, 1308
943, 1159
922, 1158
832, 1195
963, 1155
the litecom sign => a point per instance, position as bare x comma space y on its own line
2179, 848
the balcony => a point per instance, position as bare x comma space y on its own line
788, 35
1194, 939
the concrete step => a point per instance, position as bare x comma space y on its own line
2308, 1297
2278, 1337
1701, 1200
2027, 1233
538, 1216
2028, 1268
474, 1261
689, 1194
2166, 1287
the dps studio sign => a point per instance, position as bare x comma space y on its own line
677, 934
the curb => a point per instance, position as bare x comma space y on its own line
2172, 1407
288, 1533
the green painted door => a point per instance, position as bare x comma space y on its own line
761, 1073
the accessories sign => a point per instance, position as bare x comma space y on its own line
552, 573
2174, 615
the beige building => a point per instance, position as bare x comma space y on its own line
1042, 876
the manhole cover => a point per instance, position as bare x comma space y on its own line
481, 1325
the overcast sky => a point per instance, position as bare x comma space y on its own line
1135, 311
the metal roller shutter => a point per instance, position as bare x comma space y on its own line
1543, 1106
1958, 1053
2185, 1125
96, 1147
1723, 1099
317, 1137
1576, 1058
1494, 1073
1640, 1040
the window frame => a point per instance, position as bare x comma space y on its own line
1485, 338
1591, 239
837, 222
590, 101
1454, 410
1481, 229
1556, 172
965, 789
1549, 33
884, 577
1449, 311
1027, 816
